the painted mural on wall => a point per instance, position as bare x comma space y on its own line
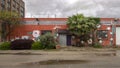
36, 35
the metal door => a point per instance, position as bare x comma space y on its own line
62, 39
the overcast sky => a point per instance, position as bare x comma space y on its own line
65, 8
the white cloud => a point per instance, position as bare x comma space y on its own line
65, 8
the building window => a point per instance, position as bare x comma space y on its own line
102, 34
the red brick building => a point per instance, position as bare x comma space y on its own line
107, 34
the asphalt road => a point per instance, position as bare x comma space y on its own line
33, 61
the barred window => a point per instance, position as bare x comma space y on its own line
102, 34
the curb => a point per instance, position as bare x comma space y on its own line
82, 53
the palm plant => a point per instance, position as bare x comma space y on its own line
82, 26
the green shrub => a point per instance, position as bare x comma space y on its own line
5, 46
36, 46
48, 41
97, 45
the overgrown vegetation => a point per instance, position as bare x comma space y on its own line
5, 46
48, 41
81, 27
37, 46
97, 45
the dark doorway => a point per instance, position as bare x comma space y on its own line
68, 40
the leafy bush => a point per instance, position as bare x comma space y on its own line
36, 46
48, 41
97, 45
5, 46
21, 44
